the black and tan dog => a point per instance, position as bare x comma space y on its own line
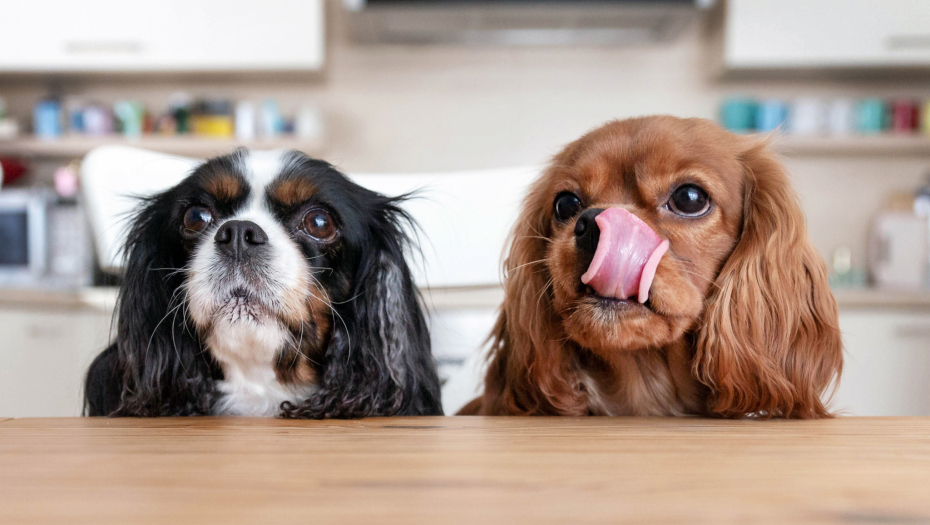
267, 284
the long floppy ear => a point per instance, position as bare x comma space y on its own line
770, 342
156, 366
529, 370
379, 361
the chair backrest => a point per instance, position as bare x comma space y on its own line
112, 179
464, 217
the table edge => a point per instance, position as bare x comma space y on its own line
37, 422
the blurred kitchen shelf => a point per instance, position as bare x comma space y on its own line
99, 298
878, 145
881, 298
78, 146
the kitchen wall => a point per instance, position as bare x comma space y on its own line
432, 108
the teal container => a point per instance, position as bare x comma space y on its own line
870, 116
771, 114
739, 114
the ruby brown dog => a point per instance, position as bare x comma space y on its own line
661, 266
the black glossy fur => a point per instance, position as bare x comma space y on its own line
159, 366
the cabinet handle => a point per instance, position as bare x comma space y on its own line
44, 332
904, 42
122, 47
913, 331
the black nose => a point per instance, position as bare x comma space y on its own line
237, 238
586, 235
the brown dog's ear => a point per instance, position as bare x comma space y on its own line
529, 372
770, 343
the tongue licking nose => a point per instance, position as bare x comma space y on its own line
626, 258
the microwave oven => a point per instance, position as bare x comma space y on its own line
44, 241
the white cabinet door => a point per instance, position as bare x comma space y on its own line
887, 368
826, 33
459, 340
162, 35
44, 355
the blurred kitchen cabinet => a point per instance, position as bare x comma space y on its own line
776, 34
161, 36
459, 341
887, 368
44, 354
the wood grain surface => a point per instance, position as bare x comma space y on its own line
464, 470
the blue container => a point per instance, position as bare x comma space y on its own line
738, 114
46, 119
771, 114
870, 116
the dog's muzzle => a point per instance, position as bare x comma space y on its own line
626, 253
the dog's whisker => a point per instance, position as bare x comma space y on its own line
545, 289
349, 300
712, 282
515, 268
154, 331
540, 237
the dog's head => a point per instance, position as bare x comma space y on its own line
658, 231
277, 259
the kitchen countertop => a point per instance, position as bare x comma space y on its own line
464, 470
104, 298
881, 298
464, 297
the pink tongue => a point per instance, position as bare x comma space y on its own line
626, 258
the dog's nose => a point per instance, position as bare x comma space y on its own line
237, 238
587, 234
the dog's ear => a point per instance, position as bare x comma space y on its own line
529, 372
769, 343
159, 366
379, 361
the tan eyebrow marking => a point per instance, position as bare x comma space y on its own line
224, 186
290, 192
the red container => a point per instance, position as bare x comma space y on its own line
12, 170
905, 116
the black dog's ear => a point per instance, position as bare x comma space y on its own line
156, 366
379, 361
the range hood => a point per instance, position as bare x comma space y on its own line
520, 22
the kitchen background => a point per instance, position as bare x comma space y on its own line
415, 90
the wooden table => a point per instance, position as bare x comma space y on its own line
464, 470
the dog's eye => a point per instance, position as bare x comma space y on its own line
566, 206
196, 219
319, 224
689, 200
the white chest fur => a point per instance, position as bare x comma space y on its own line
247, 352
256, 391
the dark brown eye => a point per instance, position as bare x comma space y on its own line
689, 201
566, 206
319, 225
196, 219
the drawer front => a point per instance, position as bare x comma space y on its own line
43, 358
887, 367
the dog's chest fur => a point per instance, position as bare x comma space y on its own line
643, 383
254, 390
250, 386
